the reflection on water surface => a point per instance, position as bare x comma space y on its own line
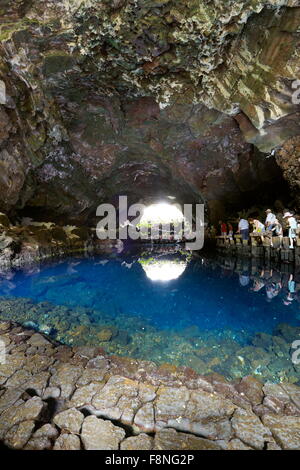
212, 314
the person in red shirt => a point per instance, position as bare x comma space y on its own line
223, 228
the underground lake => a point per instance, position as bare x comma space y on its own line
232, 317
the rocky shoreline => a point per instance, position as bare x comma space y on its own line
232, 355
31, 242
58, 397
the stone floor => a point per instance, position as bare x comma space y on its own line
61, 398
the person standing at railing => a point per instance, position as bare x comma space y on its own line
292, 225
270, 220
277, 231
258, 228
223, 227
243, 229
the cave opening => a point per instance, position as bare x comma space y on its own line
162, 219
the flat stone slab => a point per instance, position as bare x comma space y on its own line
169, 439
98, 434
19, 435
69, 420
97, 397
285, 429
67, 442
250, 430
140, 442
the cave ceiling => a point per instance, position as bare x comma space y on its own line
147, 98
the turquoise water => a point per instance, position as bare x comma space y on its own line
178, 302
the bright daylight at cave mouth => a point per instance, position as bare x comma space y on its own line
162, 213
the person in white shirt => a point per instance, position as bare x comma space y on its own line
258, 226
243, 229
292, 223
270, 220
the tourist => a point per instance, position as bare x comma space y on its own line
258, 226
213, 231
258, 284
270, 220
291, 284
244, 280
223, 228
243, 229
292, 226
230, 231
291, 291
272, 290
277, 231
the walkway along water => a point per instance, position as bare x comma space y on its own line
258, 248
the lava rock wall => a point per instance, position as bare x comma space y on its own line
101, 98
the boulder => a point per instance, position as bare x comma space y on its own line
249, 429
67, 442
69, 420
97, 434
285, 429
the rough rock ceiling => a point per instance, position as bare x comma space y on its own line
142, 97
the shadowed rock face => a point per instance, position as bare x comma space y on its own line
146, 98
288, 157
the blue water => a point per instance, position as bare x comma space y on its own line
207, 318
203, 295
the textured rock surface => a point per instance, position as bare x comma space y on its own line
286, 430
169, 95
35, 241
67, 442
98, 434
288, 157
169, 439
159, 410
18, 435
140, 442
69, 420
249, 429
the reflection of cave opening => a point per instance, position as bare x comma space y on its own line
163, 269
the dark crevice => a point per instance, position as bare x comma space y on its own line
50, 410
4, 447
126, 427
31, 392
86, 412
265, 447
